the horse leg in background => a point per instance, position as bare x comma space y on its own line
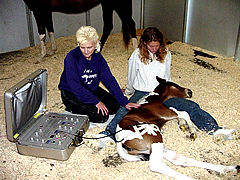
124, 11
180, 160
157, 164
53, 43
41, 31
49, 27
107, 11
183, 115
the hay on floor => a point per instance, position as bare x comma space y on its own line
213, 80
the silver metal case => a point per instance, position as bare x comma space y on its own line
35, 131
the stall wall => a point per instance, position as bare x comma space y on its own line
13, 26
168, 16
213, 25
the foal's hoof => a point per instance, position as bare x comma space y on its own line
183, 128
193, 136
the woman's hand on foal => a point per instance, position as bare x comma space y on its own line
101, 107
129, 106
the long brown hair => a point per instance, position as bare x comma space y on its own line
152, 34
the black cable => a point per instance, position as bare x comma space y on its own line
111, 134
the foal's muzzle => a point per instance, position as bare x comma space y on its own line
189, 93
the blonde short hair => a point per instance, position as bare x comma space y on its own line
87, 33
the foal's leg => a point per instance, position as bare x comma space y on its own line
124, 154
180, 160
184, 115
157, 164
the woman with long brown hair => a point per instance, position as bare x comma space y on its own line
149, 60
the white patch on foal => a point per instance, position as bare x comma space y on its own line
124, 135
143, 99
140, 129
160, 152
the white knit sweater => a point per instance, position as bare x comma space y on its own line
142, 76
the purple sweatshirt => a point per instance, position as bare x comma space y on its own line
82, 77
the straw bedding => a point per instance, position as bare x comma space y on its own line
213, 80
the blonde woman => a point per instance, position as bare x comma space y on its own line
84, 69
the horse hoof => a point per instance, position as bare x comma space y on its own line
52, 51
38, 61
182, 128
193, 136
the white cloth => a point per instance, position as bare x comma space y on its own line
142, 76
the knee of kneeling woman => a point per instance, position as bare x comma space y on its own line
98, 118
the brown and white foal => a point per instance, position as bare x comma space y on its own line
139, 133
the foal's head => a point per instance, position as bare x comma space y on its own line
167, 90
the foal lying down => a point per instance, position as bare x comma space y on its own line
139, 133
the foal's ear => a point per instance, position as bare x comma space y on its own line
160, 80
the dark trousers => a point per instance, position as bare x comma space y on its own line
76, 107
202, 119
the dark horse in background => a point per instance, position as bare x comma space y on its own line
42, 11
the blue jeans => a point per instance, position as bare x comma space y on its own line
121, 112
202, 119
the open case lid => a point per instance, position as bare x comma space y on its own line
25, 100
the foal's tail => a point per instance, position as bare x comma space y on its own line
123, 154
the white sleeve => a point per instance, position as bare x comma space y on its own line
168, 66
132, 71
